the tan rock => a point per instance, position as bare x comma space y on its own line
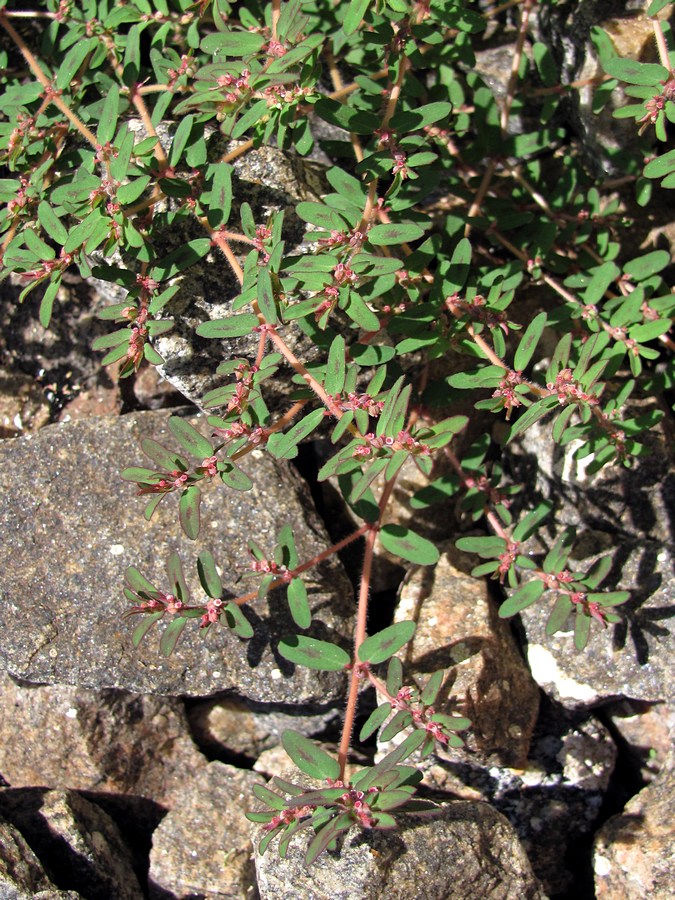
635, 851
202, 847
60, 736
458, 629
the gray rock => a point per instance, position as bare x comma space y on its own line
635, 851
79, 842
466, 850
203, 848
71, 528
61, 736
625, 512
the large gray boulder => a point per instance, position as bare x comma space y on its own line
71, 526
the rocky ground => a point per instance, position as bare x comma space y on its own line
128, 775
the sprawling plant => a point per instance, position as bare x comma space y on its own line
443, 206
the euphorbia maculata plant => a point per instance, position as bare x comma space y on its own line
439, 212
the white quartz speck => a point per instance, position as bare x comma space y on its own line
117, 549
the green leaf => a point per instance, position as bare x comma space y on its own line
556, 558
171, 635
354, 15
378, 647
253, 116
180, 139
208, 574
107, 125
647, 265
298, 603
432, 688
359, 312
129, 193
489, 547
335, 367
394, 675
237, 621
220, 202
188, 511
268, 797
314, 654
484, 377
633, 72
609, 598
327, 836
141, 630
408, 746
347, 186
236, 478
408, 545
660, 166
401, 720
265, 293
545, 63
361, 485
234, 326
582, 628
394, 233
138, 582
181, 258
457, 272
174, 571
321, 215
233, 43
375, 720
51, 223
525, 596
415, 119
47, 302
559, 614
535, 412
73, 61
289, 554
529, 341
189, 438
132, 56
356, 120
309, 758
285, 446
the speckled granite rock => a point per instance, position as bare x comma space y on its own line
628, 513
71, 527
467, 850
203, 848
635, 851
63, 736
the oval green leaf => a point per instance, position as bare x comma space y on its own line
378, 647
309, 758
314, 654
408, 545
